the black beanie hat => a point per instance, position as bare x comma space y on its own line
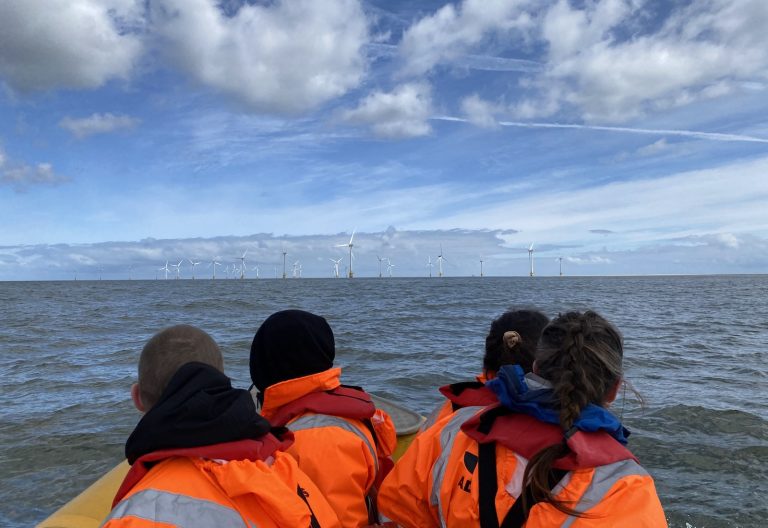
290, 344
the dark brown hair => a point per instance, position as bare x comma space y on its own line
167, 351
581, 355
528, 323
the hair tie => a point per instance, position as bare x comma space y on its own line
511, 339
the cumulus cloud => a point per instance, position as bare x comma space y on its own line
404, 112
703, 50
452, 31
97, 124
283, 57
67, 43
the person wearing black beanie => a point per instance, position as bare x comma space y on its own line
290, 344
342, 441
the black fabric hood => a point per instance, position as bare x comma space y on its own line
199, 407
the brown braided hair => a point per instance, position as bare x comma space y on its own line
581, 355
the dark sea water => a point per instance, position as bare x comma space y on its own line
695, 349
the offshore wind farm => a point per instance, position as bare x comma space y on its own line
245, 259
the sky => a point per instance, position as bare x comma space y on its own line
618, 137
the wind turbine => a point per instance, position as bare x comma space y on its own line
429, 265
336, 263
213, 264
350, 245
530, 258
481, 265
380, 259
389, 267
242, 264
284, 254
296, 270
440, 260
165, 268
561, 265
130, 272
178, 269
256, 269
193, 267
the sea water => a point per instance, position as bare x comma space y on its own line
695, 350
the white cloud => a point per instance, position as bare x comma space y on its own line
281, 57
404, 112
97, 124
450, 32
702, 51
480, 112
22, 176
729, 199
67, 43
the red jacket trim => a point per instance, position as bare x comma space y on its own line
247, 449
526, 436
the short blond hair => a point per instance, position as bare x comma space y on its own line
167, 351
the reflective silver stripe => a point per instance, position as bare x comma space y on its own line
180, 510
432, 418
447, 438
603, 480
311, 421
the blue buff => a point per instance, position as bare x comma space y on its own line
512, 389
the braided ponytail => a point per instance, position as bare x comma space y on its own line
580, 354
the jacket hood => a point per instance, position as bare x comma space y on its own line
199, 407
532, 395
290, 344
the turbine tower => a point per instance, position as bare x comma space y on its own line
194, 264
429, 265
440, 260
165, 269
481, 265
178, 269
350, 245
336, 263
214, 263
242, 264
284, 254
530, 258
389, 267
561, 265
380, 259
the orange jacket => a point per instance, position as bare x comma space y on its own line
458, 395
339, 454
435, 484
191, 491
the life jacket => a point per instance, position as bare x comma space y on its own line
344, 402
526, 436
468, 394
260, 449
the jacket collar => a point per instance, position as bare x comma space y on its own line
279, 394
532, 395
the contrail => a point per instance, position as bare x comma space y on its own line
713, 136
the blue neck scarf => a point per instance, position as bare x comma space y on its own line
532, 396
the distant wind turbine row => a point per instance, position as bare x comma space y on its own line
240, 271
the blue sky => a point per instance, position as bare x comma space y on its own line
625, 136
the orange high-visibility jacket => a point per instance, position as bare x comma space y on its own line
192, 492
435, 484
458, 395
339, 454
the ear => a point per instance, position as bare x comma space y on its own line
136, 397
611, 396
